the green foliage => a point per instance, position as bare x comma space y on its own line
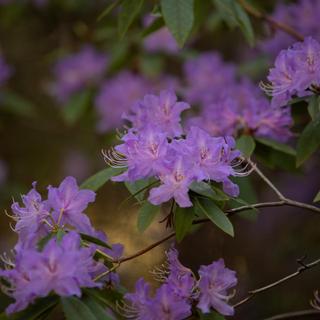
75, 309
277, 146
109, 8
183, 218
215, 214
211, 316
76, 107
94, 240
235, 16
96, 181
203, 189
314, 106
96, 308
246, 145
309, 140
179, 17
138, 188
317, 197
128, 12
154, 26
146, 215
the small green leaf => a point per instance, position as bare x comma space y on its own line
246, 145
216, 215
60, 234
16, 104
314, 107
128, 12
277, 146
108, 9
94, 240
43, 241
179, 17
183, 221
75, 309
96, 181
203, 189
155, 25
76, 107
235, 15
146, 215
138, 188
309, 141
317, 197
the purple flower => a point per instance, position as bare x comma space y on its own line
215, 280
296, 72
5, 71
68, 204
75, 72
161, 113
63, 268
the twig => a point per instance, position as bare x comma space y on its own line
274, 23
294, 315
300, 270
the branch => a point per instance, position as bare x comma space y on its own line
295, 315
274, 23
300, 270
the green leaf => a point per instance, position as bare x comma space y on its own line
317, 197
138, 188
203, 189
42, 242
128, 12
179, 17
183, 221
277, 146
108, 9
16, 104
96, 181
94, 240
309, 141
75, 309
216, 215
235, 15
314, 107
76, 107
155, 25
246, 145
97, 309
146, 215
210, 316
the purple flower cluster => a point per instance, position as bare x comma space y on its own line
180, 290
75, 72
296, 72
160, 40
5, 71
62, 266
112, 102
155, 146
302, 16
228, 106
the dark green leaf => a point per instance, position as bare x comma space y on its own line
109, 8
235, 15
277, 146
96, 308
183, 222
94, 240
309, 141
96, 181
146, 215
216, 215
16, 104
179, 17
155, 25
75, 309
42, 242
314, 107
76, 107
317, 197
128, 12
138, 188
211, 316
246, 145
220, 195
203, 189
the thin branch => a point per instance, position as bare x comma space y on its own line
274, 23
295, 315
303, 267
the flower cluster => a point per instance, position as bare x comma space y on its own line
111, 102
5, 71
74, 72
180, 290
156, 146
44, 263
229, 106
296, 72
302, 16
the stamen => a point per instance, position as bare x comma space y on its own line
114, 158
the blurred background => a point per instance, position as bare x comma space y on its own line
66, 77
